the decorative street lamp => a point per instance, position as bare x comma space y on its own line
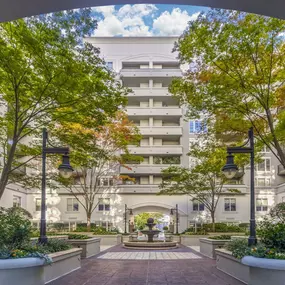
176, 215
65, 171
230, 170
125, 216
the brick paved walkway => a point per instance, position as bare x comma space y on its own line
103, 271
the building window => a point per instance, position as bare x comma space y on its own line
105, 181
109, 65
262, 181
261, 204
104, 204
198, 206
264, 165
17, 201
38, 204
72, 205
197, 126
230, 204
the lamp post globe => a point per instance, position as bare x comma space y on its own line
230, 169
65, 169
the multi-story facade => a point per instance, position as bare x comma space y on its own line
147, 66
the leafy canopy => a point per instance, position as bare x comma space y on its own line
236, 75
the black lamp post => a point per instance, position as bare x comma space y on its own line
65, 171
230, 170
125, 216
176, 215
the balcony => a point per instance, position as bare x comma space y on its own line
137, 188
161, 111
144, 168
167, 130
149, 92
281, 170
150, 72
156, 149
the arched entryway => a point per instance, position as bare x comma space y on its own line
14, 9
167, 217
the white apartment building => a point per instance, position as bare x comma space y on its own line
147, 65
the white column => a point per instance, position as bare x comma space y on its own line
151, 179
150, 140
151, 64
150, 102
150, 159
150, 83
150, 121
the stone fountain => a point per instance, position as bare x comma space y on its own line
150, 243
150, 232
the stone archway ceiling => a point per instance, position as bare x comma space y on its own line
14, 9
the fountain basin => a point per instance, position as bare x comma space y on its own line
150, 245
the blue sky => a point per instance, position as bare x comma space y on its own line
144, 19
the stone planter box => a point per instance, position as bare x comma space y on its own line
232, 266
90, 247
176, 238
264, 271
24, 271
109, 239
168, 237
208, 246
191, 240
63, 262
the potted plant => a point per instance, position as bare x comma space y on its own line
19, 261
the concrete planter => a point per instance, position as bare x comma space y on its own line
133, 236
176, 239
168, 236
232, 266
191, 240
264, 271
63, 262
89, 246
24, 271
208, 246
109, 239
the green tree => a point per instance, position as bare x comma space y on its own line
141, 219
236, 75
49, 76
96, 157
203, 182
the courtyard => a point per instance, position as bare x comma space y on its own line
119, 266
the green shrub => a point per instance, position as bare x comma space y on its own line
15, 227
193, 233
223, 228
239, 248
55, 245
165, 228
102, 231
272, 234
77, 236
278, 212
221, 237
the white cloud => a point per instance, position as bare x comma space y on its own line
174, 23
127, 21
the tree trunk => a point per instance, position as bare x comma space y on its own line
6, 169
88, 222
213, 221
